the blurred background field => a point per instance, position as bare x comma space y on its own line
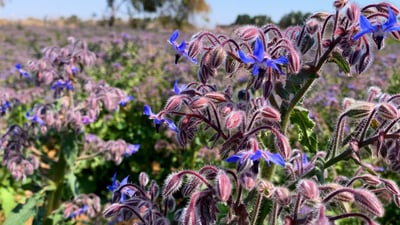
134, 55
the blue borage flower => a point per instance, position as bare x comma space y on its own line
4, 107
132, 149
115, 184
178, 89
61, 84
22, 72
378, 31
34, 118
79, 212
260, 60
242, 156
158, 121
125, 100
180, 49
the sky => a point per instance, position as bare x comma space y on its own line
222, 11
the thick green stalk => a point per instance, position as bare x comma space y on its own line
54, 196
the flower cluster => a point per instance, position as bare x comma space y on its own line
249, 120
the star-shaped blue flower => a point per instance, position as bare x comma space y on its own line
116, 184
178, 89
61, 84
125, 100
242, 156
180, 49
158, 121
132, 149
22, 72
34, 118
260, 60
378, 31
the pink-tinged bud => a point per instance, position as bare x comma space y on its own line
391, 186
234, 119
191, 186
368, 201
223, 186
205, 58
268, 86
308, 189
370, 179
173, 103
355, 56
247, 180
312, 26
294, 61
282, 196
231, 65
347, 102
340, 196
112, 210
338, 4
194, 48
321, 218
359, 110
143, 179
396, 200
172, 184
326, 43
217, 97
363, 63
203, 73
248, 33
388, 111
282, 144
200, 103
373, 92
217, 56
271, 114
353, 13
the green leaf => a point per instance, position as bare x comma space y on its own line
22, 212
340, 61
72, 183
305, 127
69, 147
7, 200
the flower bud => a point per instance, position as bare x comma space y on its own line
338, 4
173, 103
231, 65
217, 56
248, 33
340, 197
271, 114
247, 180
368, 201
353, 13
194, 48
172, 184
217, 97
391, 186
282, 196
143, 179
370, 179
200, 103
223, 186
388, 111
282, 144
234, 119
308, 189
312, 26
359, 110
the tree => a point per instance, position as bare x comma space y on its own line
293, 18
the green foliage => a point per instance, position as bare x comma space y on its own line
23, 212
258, 20
304, 127
293, 18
